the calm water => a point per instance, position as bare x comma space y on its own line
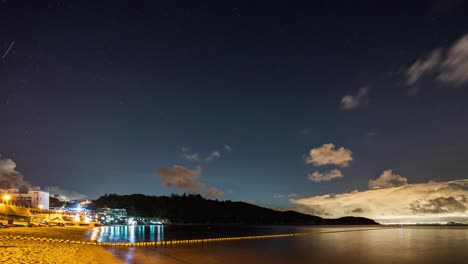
326, 245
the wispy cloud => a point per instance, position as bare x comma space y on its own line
351, 102
291, 195
454, 68
188, 155
423, 66
64, 194
445, 65
213, 192
328, 155
328, 176
228, 148
215, 154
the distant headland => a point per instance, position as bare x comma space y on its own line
194, 209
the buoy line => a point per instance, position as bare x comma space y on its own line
178, 242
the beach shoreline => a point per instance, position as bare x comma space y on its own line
50, 246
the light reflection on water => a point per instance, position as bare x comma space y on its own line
131, 233
395, 245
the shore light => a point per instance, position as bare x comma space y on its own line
6, 197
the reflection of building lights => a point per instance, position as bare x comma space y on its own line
131, 221
95, 234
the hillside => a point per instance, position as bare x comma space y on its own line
194, 209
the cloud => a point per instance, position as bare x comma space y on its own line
357, 210
291, 195
227, 148
214, 155
213, 192
319, 177
448, 66
350, 102
327, 155
388, 179
412, 203
454, 69
179, 177
9, 174
440, 205
188, 155
64, 195
423, 66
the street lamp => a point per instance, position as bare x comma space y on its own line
6, 198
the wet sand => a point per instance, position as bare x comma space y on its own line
13, 250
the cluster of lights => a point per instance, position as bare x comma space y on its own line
6, 198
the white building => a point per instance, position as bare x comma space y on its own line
32, 199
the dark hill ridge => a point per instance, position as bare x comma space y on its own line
194, 209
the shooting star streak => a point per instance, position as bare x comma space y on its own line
8, 50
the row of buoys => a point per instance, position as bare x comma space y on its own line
139, 244
190, 241
170, 242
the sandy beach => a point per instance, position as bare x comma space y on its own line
34, 251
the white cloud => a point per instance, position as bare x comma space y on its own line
423, 66
180, 177
388, 179
319, 177
350, 102
423, 202
188, 155
454, 68
449, 66
214, 155
327, 155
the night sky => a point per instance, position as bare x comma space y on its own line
228, 101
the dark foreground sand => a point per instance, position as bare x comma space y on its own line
32, 251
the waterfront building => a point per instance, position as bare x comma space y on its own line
25, 197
